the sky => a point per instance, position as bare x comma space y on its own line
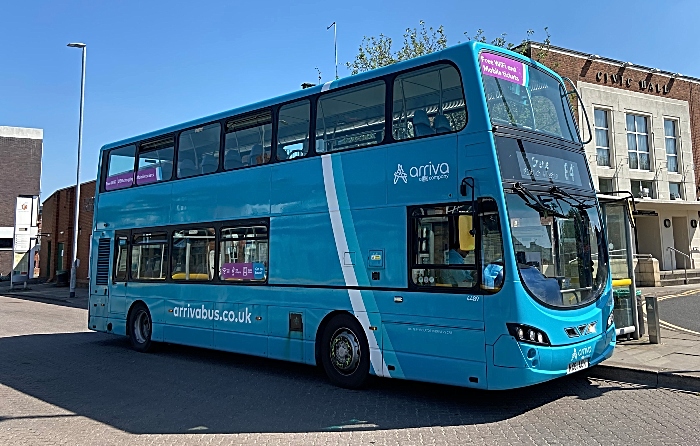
152, 64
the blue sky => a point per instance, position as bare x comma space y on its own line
151, 64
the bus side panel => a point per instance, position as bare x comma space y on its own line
240, 328
297, 187
423, 171
445, 355
135, 207
284, 342
302, 251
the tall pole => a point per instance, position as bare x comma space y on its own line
76, 262
335, 44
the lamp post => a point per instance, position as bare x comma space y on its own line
76, 262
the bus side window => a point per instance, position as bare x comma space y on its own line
293, 131
190, 254
198, 151
492, 266
428, 101
120, 168
248, 141
351, 118
120, 259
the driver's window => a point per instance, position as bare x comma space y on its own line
293, 130
492, 266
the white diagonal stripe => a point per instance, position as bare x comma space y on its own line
341, 245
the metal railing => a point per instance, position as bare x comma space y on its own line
686, 257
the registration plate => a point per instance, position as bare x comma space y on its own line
577, 365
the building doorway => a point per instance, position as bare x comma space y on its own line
59, 258
648, 235
680, 241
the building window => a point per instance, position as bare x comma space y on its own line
149, 256
605, 185
155, 161
675, 191
428, 102
198, 151
643, 189
243, 254
351, 118
5, 243
193, 254
602, 141
671, 142
638, 142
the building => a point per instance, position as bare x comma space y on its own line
20, 174
58, 213
645, 126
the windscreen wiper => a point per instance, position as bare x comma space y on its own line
534, 202
556, 190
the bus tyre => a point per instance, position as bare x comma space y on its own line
140, 328
345, 352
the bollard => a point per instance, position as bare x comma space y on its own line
653, 326
640, 315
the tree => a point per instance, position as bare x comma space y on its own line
375, 52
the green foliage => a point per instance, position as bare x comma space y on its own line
375, 52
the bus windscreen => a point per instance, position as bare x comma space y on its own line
522, 96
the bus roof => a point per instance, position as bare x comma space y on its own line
473, 48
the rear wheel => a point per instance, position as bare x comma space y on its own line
345, 352
140, 328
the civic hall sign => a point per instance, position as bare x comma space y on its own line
616, 79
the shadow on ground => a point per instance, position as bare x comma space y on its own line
182, 389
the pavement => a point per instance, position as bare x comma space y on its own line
673, 363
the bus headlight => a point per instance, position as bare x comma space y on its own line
528, 334
611, 320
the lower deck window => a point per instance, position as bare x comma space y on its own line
193, 254
244, 254
149, 256
444, 247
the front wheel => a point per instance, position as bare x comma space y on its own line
140, 328
345, 352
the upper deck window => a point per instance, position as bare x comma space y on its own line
198, 151
351, 118
120, 168
155, 161
428, 102
293, 130
522, 96
248, 141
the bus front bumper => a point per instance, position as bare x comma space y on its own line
538, 364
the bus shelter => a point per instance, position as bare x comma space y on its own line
618, 216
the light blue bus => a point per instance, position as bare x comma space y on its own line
433, 220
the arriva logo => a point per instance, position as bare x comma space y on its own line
428, 172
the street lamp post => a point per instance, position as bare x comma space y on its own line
76, 262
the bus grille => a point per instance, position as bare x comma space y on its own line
102, 276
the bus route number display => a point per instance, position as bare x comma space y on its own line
548, 168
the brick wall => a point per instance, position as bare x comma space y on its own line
57, 220
20, 174
613, 75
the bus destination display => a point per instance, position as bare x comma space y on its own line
538, 167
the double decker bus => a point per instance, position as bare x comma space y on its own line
434, 220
